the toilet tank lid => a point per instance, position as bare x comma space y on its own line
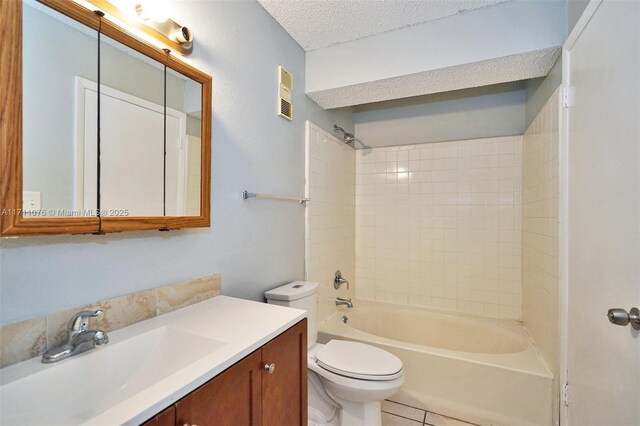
293, 291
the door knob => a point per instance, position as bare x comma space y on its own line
621, 317
270, 368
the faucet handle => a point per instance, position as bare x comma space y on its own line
338, 280
80, 321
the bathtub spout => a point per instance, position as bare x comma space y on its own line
341, 301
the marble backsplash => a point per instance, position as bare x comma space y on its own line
32, 337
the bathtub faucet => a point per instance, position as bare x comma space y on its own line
341, 301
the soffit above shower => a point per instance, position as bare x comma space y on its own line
320, 23
499, 43
488, 72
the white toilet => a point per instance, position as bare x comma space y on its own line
347, 380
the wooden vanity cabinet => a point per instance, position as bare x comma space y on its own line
284, 393
230, 398
247, 393
165, 418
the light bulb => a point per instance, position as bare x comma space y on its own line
153, 10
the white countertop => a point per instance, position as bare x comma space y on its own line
235, 327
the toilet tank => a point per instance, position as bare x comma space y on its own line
300, 295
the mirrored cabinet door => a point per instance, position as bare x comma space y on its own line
132, 133
102, 131
60, 56
184, 145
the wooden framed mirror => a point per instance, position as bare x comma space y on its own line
99, 130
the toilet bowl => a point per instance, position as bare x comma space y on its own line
355, 383
347, 380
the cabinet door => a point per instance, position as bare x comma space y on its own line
165, 418
284, 392
231, 398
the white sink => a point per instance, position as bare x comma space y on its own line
83, 386
144, 368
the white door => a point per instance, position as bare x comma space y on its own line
132, 174
603, 227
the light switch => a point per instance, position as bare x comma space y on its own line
31, 200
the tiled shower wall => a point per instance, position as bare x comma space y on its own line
439, 225
540, 268
330, 215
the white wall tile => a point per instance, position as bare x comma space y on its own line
539, 227
431, 236
330, 215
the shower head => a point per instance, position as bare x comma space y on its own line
347, 137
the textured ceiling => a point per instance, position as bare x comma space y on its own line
320, 23
483, 73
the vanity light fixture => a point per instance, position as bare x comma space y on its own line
154, 14
151, 17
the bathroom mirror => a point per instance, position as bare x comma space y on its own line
184, 146
51, 163
88, 148
132, 123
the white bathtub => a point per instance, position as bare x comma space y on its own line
478, 369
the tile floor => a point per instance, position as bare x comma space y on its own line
397, 414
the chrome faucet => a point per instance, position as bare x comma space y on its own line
338, 280
79, 338
341, 301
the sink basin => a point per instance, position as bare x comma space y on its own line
81, 387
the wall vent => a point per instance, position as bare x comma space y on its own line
285, 84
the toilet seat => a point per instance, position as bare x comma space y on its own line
343, 388
358, 361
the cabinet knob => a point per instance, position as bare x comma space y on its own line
188, 424
270, 368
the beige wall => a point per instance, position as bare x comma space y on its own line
439, 225
330, 216
540, 283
